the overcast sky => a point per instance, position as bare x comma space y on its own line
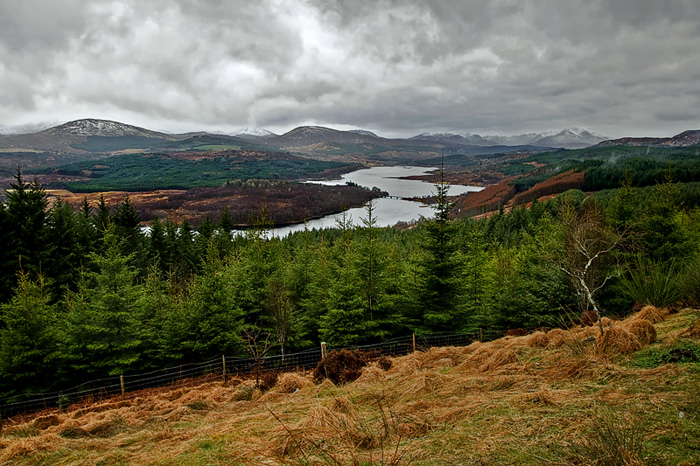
617, 67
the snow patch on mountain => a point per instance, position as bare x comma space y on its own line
252, 133
26, 129
90, 127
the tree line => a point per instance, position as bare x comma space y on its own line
87, 292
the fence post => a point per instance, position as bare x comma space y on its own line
324, 351
481, 335
414, 342
121, 380
223, 361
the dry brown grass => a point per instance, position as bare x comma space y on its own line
538, 340
489, 403
693, 331
292, 382
617, 340
642, 329
652, 314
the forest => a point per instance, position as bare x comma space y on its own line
87, 293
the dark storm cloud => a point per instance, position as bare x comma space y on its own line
615, 66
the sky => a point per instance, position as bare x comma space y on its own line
398, 68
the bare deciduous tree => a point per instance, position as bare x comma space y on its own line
589, 241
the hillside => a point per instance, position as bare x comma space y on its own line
564, 397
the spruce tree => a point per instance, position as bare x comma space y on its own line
439, 285
27, 338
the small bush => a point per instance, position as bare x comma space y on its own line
268, 380
342, 366
384, 363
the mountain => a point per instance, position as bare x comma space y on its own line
103, 128
24, 129
467, 139
363, 132
307, 135
518, 139
570, 138
253, 133
684, 139
85, 136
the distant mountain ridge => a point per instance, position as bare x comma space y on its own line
105, 128
684, 139
94, 136
569, 138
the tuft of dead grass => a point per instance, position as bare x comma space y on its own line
617, 340
693, 331
538, 340
653, 314
290, 382
370, 375
542, 397
643, 330
110, 426
478, 357
556, 337
424, 382
499, 359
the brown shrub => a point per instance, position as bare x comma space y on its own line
538, 340
384, 363
588, 318
643, 330
268, 379
617, 340
516, 332
342, 366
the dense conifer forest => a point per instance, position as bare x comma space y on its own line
88, 293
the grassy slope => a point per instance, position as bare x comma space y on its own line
538, 399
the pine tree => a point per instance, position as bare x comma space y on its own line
63, 262
104, 323
26, 222
440, 270
27, 338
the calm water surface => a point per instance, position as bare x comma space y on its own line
387, 211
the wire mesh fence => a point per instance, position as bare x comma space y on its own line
95, 390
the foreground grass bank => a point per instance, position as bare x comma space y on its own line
562, 397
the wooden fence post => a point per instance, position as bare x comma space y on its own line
324, 351
223, 362
121, 380
481, 335
414, 342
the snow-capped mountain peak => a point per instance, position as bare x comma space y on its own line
92, 127
253, 133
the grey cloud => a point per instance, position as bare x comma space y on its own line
398, 66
